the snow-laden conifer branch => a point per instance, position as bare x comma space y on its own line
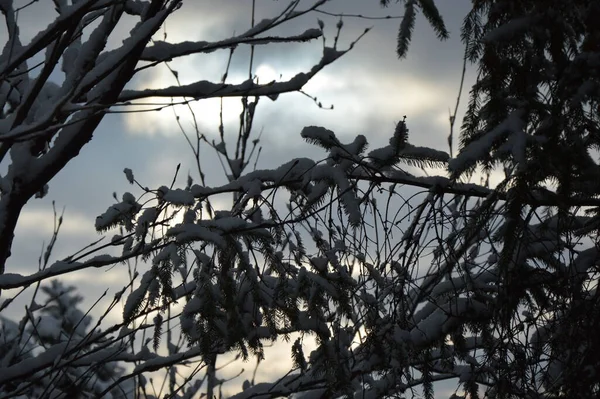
426, 328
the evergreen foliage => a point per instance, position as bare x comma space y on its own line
534, 112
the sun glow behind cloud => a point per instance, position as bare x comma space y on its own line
265, 74
205, 115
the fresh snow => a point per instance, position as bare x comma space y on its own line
482, 146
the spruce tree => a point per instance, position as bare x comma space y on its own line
533, 111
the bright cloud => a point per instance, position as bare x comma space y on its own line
41, 221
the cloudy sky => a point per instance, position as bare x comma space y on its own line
369, 87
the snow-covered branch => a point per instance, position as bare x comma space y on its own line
165, 51
204, 89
